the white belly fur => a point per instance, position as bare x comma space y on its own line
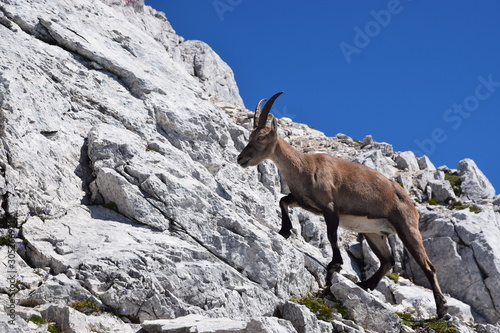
365, 225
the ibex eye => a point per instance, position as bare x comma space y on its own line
261, 138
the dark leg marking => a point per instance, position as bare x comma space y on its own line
332, 220
379, 246
286, 224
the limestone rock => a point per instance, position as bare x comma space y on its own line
362, 305
420, 302
106, 247
215, 75
369, 144
194, 323
60, 289
441, 190
406, 160
303, 319
459, 244
67, 319
475, 185
269, 325
377, 161
425, 163
427, 176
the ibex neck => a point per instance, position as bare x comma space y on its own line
287, 159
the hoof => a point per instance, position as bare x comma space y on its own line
285, 233
366, 285
362, 285
443, 312
333, 268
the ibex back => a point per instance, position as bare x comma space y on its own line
347, 194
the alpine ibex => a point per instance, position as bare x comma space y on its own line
347, 194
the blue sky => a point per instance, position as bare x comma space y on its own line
421, 75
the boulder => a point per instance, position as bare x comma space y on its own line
426, 176
420, 302
441, 190
67, 319
406, 160
458, 244
302, 319
362, 305
425, 163
475, 185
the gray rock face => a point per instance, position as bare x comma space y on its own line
363, 306
459, 243
119, 185
475, 185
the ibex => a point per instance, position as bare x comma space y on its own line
347, 194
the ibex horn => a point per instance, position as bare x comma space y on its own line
257, 112
267, 109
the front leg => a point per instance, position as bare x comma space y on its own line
332, 219
286, 224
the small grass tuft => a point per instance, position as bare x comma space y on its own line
393, 276
341, 309
6, 240
452, 204
475, 209
406, 318
438, 325
455, 182
316, 306
87, 306
53, 328
111, 205
37, 320
433, 201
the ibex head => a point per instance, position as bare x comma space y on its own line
263, 138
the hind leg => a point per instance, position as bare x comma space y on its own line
413, 242
378, 244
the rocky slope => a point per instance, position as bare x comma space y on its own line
122, 208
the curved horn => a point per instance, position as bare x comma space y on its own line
257, 112
267, 108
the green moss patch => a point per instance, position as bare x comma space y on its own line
438, 325
319, 308
455, 182
86, 306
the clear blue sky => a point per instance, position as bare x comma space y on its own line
421, 75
